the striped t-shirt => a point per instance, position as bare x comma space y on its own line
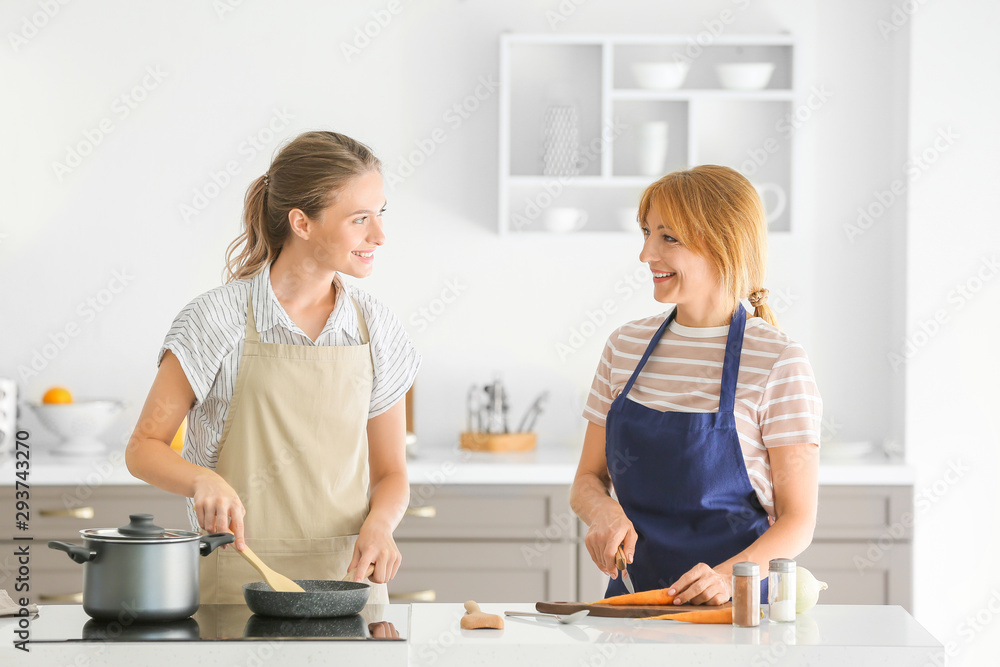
207, 338
777, 401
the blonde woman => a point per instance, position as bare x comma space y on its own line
705, 422
291, 382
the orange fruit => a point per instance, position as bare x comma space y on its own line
57, 395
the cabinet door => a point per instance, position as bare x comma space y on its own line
857, 575
488, 512
484, 572
865, 512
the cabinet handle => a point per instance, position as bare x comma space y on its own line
75, 513
424, 512
418, 596
72, 598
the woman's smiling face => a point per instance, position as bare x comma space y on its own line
680, 275
345, 234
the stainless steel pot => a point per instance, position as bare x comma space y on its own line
141, 572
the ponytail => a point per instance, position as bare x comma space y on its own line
758, 299
260, 241
306, 174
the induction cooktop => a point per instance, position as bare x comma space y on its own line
222, 622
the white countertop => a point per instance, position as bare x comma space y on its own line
438, 465
827, 635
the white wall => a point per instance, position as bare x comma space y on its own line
953, 244
224, 76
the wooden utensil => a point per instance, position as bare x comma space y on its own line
275, 580
621, 611
350, 573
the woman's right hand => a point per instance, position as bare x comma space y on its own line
218, 507
609, 528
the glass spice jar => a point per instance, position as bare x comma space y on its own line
781, 590
746, 595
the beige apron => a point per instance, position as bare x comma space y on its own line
295, 449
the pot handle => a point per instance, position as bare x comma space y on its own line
77, 553
210, 543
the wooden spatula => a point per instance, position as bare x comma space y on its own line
350, 573
275, 580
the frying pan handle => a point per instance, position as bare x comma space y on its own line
210, 543
77, 553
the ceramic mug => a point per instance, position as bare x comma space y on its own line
565, 219
652, 148
781, 199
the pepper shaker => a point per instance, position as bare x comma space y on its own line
746, 595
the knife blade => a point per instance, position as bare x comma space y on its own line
622, 564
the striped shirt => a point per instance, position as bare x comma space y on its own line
777, 400
207, 338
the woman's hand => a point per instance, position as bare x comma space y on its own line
609, 527
702, 585
219, 508
375, 546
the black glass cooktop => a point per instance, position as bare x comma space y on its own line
229, 622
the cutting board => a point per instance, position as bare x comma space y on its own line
621, 611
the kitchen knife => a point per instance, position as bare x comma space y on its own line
622, 565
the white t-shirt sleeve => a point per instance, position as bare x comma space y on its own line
396, 359
202, 334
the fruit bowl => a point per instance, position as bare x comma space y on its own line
78, 424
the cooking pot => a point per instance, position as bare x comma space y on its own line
141, 572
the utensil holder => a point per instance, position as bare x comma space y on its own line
497, 442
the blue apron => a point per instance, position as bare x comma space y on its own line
681, 479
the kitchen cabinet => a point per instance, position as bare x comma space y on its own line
60, 513
487, 542
575, 125
496, 542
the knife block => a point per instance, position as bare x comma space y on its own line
497, 442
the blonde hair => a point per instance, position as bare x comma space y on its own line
306, 174
717, 213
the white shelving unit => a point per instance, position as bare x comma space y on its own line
746, 130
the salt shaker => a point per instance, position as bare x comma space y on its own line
781, 590
746, 595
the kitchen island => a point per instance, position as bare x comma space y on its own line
856, 635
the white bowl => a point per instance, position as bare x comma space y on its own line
744, 76
78, 423
660, 76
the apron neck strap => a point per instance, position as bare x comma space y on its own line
649, 351
251, 334
731, 365
362, 325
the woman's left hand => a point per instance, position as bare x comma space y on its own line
375, 546
702, 585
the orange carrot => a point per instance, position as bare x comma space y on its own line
724, 615
659, 596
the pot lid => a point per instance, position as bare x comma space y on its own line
140, 528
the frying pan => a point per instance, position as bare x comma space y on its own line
322, 598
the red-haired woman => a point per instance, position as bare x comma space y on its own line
705, 421
291, 382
